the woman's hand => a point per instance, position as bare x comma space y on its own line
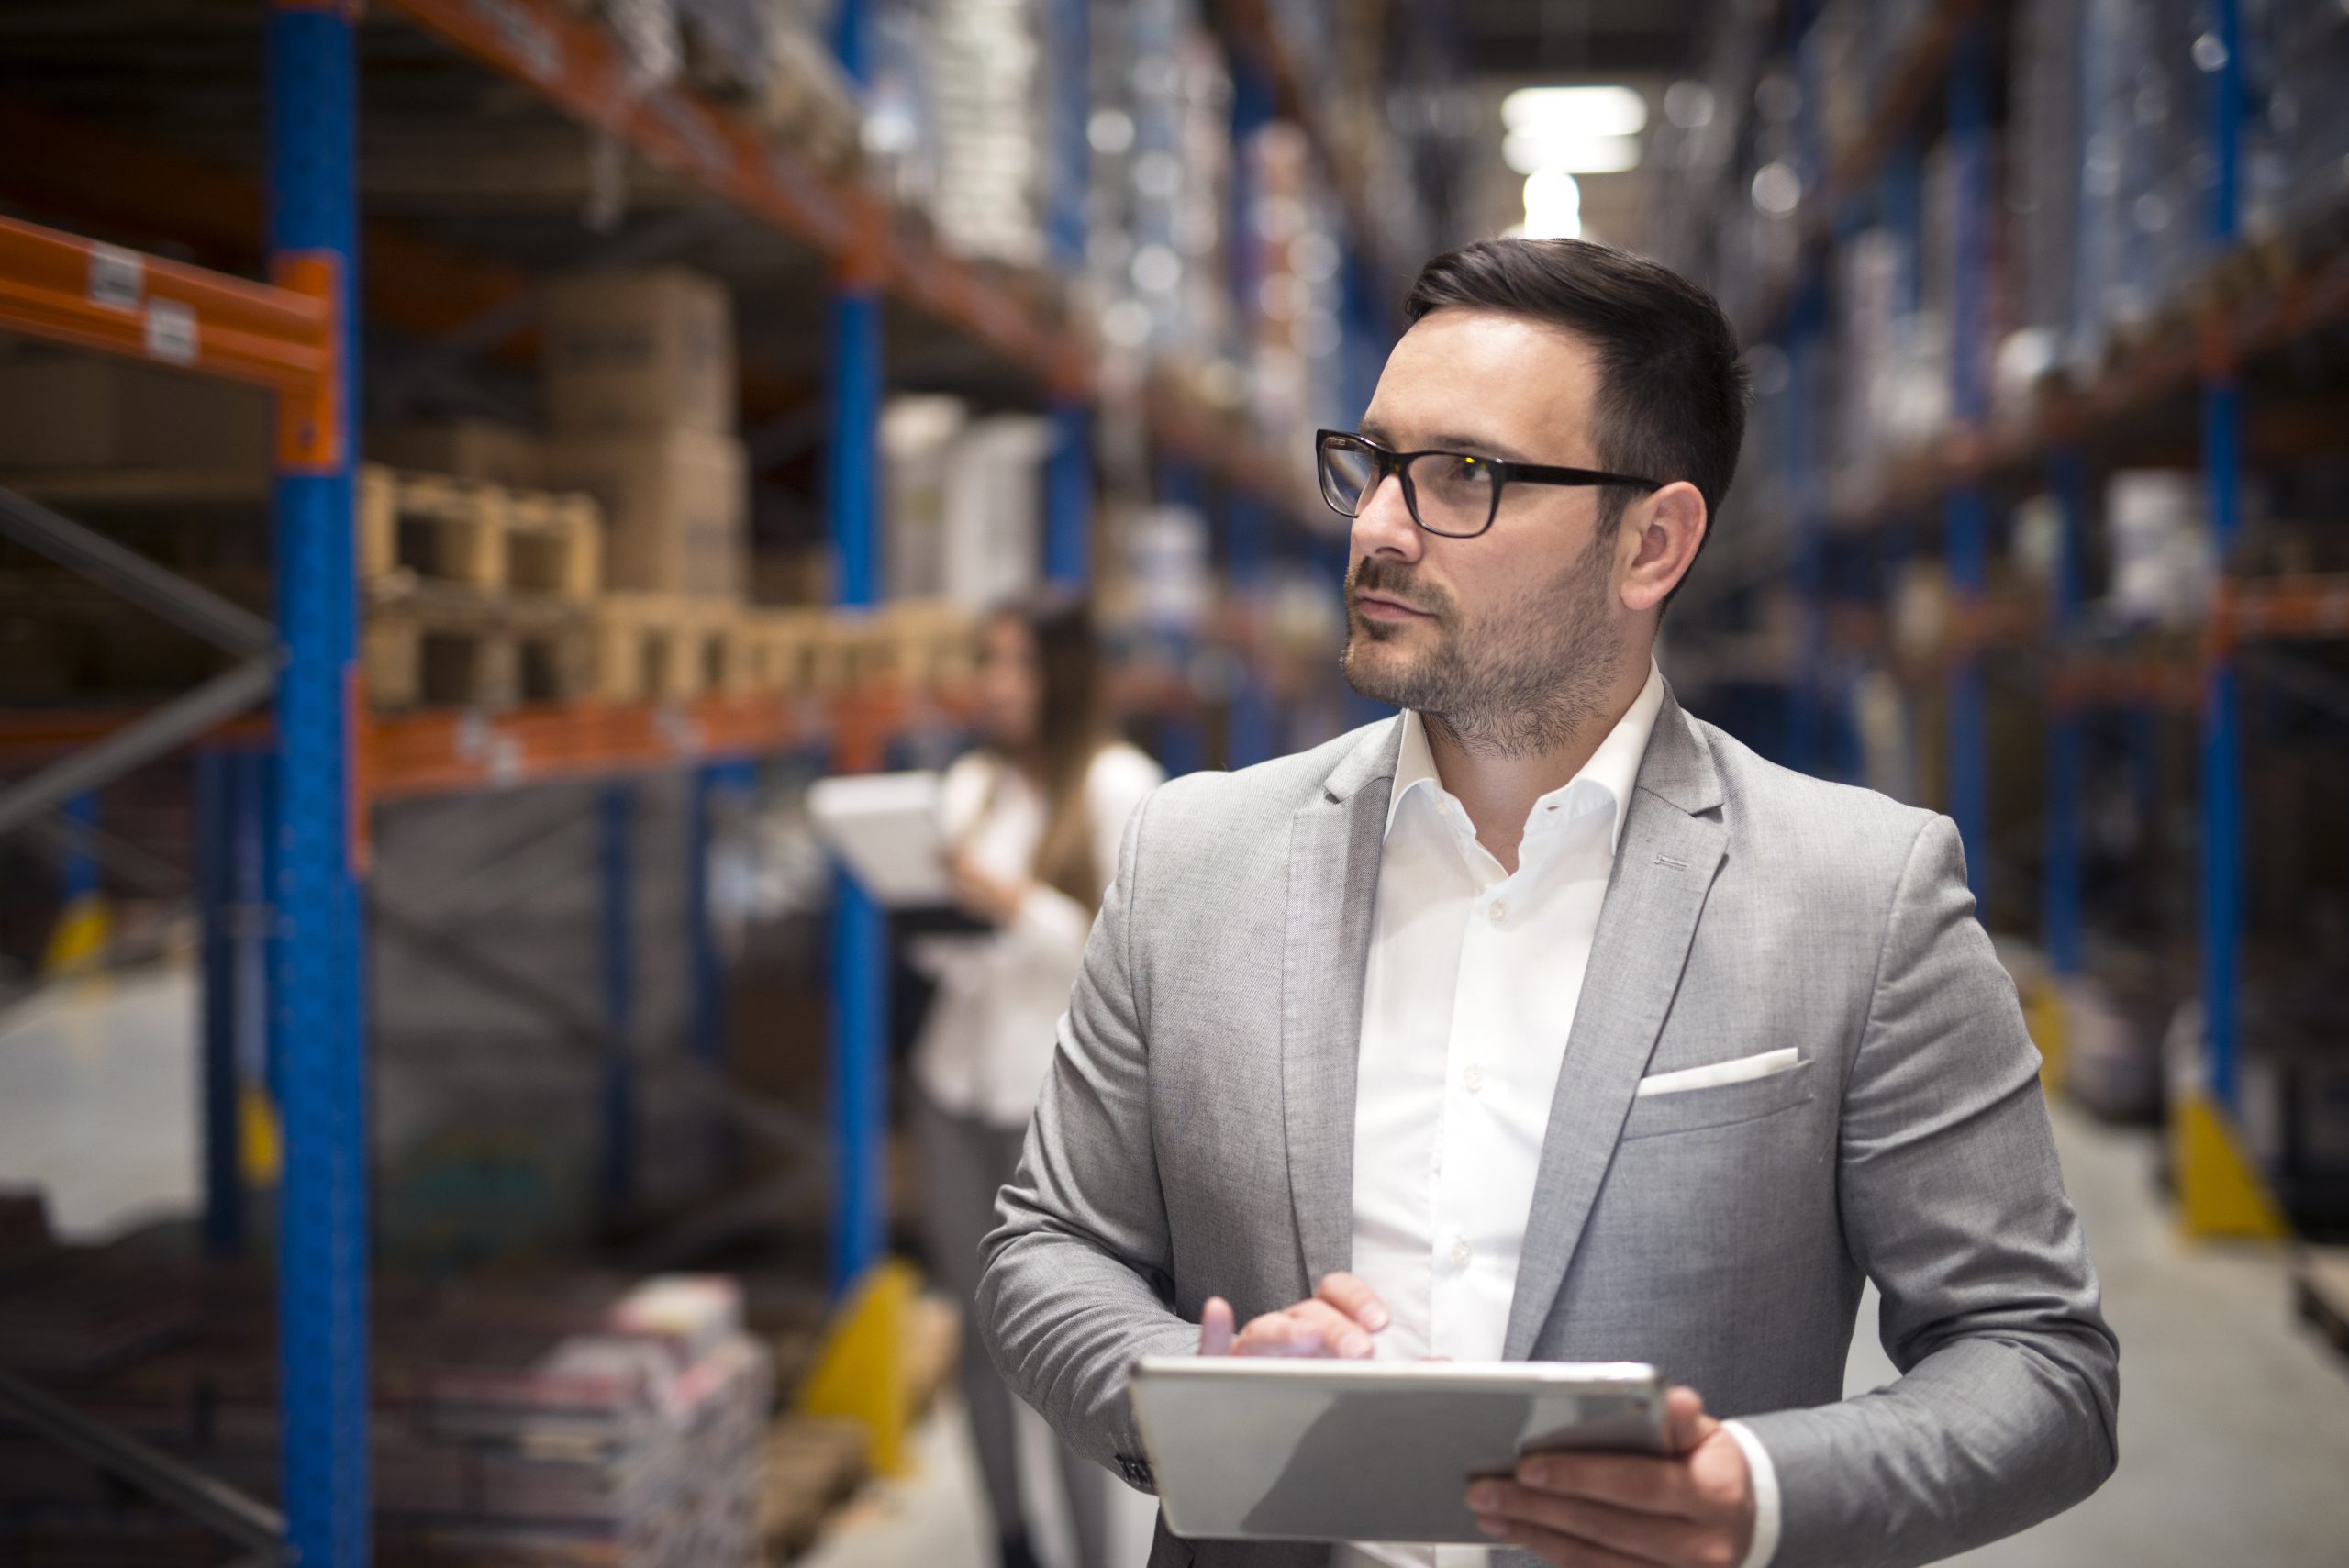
988, 897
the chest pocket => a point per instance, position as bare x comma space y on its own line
1722, 1105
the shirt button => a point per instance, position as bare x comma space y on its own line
1472, 1080
1498, 913
1461, 1254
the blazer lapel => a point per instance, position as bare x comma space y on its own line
1664, 867
1336, 841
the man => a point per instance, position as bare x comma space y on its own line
1549, 1022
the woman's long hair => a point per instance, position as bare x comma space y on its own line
1071, 727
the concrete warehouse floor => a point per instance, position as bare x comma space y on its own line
2234, 1418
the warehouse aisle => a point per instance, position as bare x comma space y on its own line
2235, 1420
98, 1099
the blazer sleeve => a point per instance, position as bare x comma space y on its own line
1953, 1205
1078, 1271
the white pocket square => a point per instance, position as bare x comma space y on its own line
1745, 1069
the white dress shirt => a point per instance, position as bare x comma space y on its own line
1474, 976
991, 1031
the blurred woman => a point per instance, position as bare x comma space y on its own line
1035, 815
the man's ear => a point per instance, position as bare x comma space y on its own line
1665, 529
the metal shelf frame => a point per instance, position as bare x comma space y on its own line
283, 808
1964, 475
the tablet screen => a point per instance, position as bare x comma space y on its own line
1352, 1451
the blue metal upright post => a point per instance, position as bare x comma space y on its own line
2068, 475
1068, 498
616, 822
1966, 518
316, 983
1068, 472
2222, 881
860, 968
78, 879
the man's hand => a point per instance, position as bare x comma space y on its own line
1337, 1323
1691, 1510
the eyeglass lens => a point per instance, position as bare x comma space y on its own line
1449, 493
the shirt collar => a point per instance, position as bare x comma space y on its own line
1614, 767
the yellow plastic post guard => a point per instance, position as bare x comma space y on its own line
2219, 1190
860, 1372
79, 938
261, 1150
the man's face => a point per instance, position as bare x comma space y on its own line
1511, 639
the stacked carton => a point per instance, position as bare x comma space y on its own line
640, 384
573, 1421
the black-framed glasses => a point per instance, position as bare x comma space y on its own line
1450, 494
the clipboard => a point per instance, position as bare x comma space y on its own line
1244, 1448
884, 829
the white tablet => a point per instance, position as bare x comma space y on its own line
1276, 1450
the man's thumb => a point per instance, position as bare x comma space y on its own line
1685, 1422
1216, 1328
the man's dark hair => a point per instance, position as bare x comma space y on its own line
1672, 390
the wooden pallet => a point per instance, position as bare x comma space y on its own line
933, 1348
927, 645
433, 527
814, 1464
438, 646
663, 647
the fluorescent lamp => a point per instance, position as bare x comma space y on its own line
1552, 205
1532, 149
1597, 111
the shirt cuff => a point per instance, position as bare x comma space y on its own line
1765, 1496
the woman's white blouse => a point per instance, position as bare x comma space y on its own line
992, 1028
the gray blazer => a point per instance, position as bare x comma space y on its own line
1195, 1137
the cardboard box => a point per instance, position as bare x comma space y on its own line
676, 507
81, 411
470, 449
640, 351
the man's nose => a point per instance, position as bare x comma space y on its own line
1384, 525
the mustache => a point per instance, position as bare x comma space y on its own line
1392, 580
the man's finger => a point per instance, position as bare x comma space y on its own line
1277, 1334
1685, 1422
1214, 1328
1353, 1299
1341, 1334
1651, 1538
1623, 1481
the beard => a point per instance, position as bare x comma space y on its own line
1519, 678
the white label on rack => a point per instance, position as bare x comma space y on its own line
118, 277
171, 332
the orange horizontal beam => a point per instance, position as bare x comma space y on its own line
574, 63
82, 172
1913, 81
65, 289
2094, 680
2281, 609
448, 750
2166, 365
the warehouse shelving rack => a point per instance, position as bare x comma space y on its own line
304, 787
2244, 311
